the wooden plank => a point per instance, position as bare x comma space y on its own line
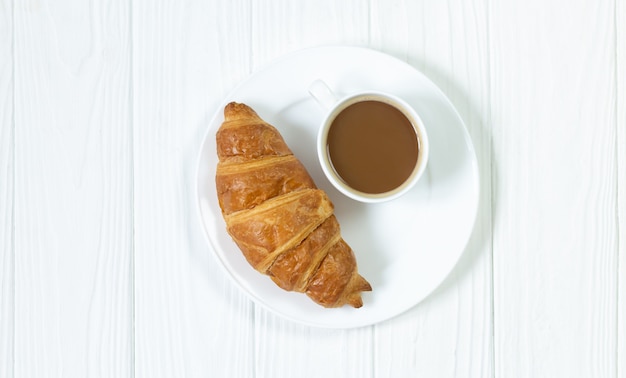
283, 348
7, 278
279, 27
620, 21
73, 209
287, 349
189, 320
555, 230
450, 333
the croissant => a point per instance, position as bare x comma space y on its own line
281, 221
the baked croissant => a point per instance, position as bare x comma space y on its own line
281, 221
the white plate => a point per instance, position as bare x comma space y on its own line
404, 248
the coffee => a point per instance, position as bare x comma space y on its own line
372, 146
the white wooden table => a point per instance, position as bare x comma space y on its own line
104, 271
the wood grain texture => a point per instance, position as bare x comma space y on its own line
620, 22
555, 230
279, 27
450, 333
286, 349
282, 348
73, 226
189, 319
7, 172
104, 270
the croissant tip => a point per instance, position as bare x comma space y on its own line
364, 285
237, 110
356, 301
360, 285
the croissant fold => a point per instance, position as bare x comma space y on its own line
281, 221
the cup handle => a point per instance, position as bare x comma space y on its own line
322, 94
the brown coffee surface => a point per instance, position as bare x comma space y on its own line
372, 146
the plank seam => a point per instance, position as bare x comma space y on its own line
617, 56
617, 176
13, 130
373, 338
131, 115
492, 188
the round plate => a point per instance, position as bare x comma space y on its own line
404, 248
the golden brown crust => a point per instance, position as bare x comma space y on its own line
293, 269
243, 134
244, 186
277, 225
282, 223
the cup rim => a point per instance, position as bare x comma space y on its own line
326, 163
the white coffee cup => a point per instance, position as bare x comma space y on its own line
370, 166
